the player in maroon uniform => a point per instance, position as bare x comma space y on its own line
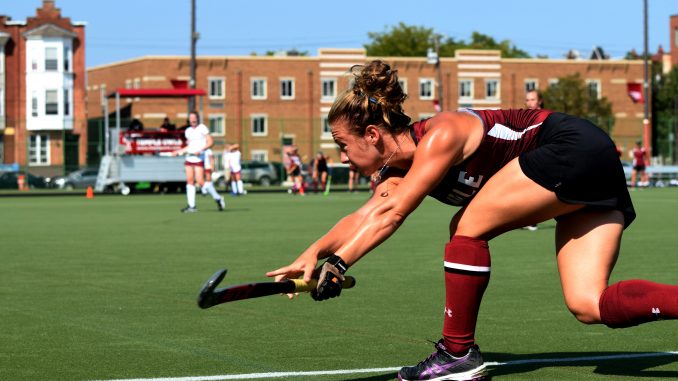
506, 169
639, 156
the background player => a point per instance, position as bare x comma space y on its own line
208, 163
639, 157
294, 171
506, 169
198, 139
233, 158
533, 101
320, 171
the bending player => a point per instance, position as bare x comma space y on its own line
294, 171
506, 169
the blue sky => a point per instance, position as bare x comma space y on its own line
123, 29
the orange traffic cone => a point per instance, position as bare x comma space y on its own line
90, 192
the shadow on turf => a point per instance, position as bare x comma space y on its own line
629, 367
634, 367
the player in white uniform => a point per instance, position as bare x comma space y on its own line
198, 139
232, 158
208, 162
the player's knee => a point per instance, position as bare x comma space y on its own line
469, 227
584, 309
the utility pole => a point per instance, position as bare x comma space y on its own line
194, 39
646, 85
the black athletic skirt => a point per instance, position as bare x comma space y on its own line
579, 162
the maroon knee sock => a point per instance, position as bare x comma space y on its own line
633, 302
467, 273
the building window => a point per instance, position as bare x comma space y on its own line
286, 88
216, 125
531, 85
593, 86
216, 87
2, 102
258, 88
403, 84
51, 102
259, 155
426, 88
328, 88
325, 131
491, 88
553, 82
51, 59
67, 103
67, 60
34, 59
38, 149
34, 104
259, 125
675, 36
466, 88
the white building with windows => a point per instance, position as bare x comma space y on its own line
42, 102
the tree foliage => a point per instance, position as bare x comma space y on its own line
572, 96
666, 107
400, 41
405, 40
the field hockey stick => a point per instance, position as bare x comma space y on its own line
328, 185
210, 296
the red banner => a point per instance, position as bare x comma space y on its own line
144, 142
635, 91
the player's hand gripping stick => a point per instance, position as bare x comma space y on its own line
210, 296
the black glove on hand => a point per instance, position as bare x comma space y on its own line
330, 278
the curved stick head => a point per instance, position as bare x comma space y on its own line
206, 297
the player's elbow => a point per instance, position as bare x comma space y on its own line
396, 219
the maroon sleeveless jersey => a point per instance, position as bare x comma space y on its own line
508, 133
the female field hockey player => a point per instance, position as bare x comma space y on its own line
198, 139
505, 169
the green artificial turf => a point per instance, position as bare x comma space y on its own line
105, 289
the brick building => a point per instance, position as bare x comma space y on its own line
263, 103
42, 92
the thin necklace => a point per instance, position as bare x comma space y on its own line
384, 168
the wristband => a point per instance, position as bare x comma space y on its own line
337, 262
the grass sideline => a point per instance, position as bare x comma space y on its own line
105, 289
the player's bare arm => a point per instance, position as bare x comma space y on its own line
332, 241
452, 138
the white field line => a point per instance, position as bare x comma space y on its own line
251, 376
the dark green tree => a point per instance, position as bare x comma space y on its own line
508, 50
405, 40
400, 41
572, 96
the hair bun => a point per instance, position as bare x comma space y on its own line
379, 83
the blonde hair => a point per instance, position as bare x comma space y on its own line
375, 98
